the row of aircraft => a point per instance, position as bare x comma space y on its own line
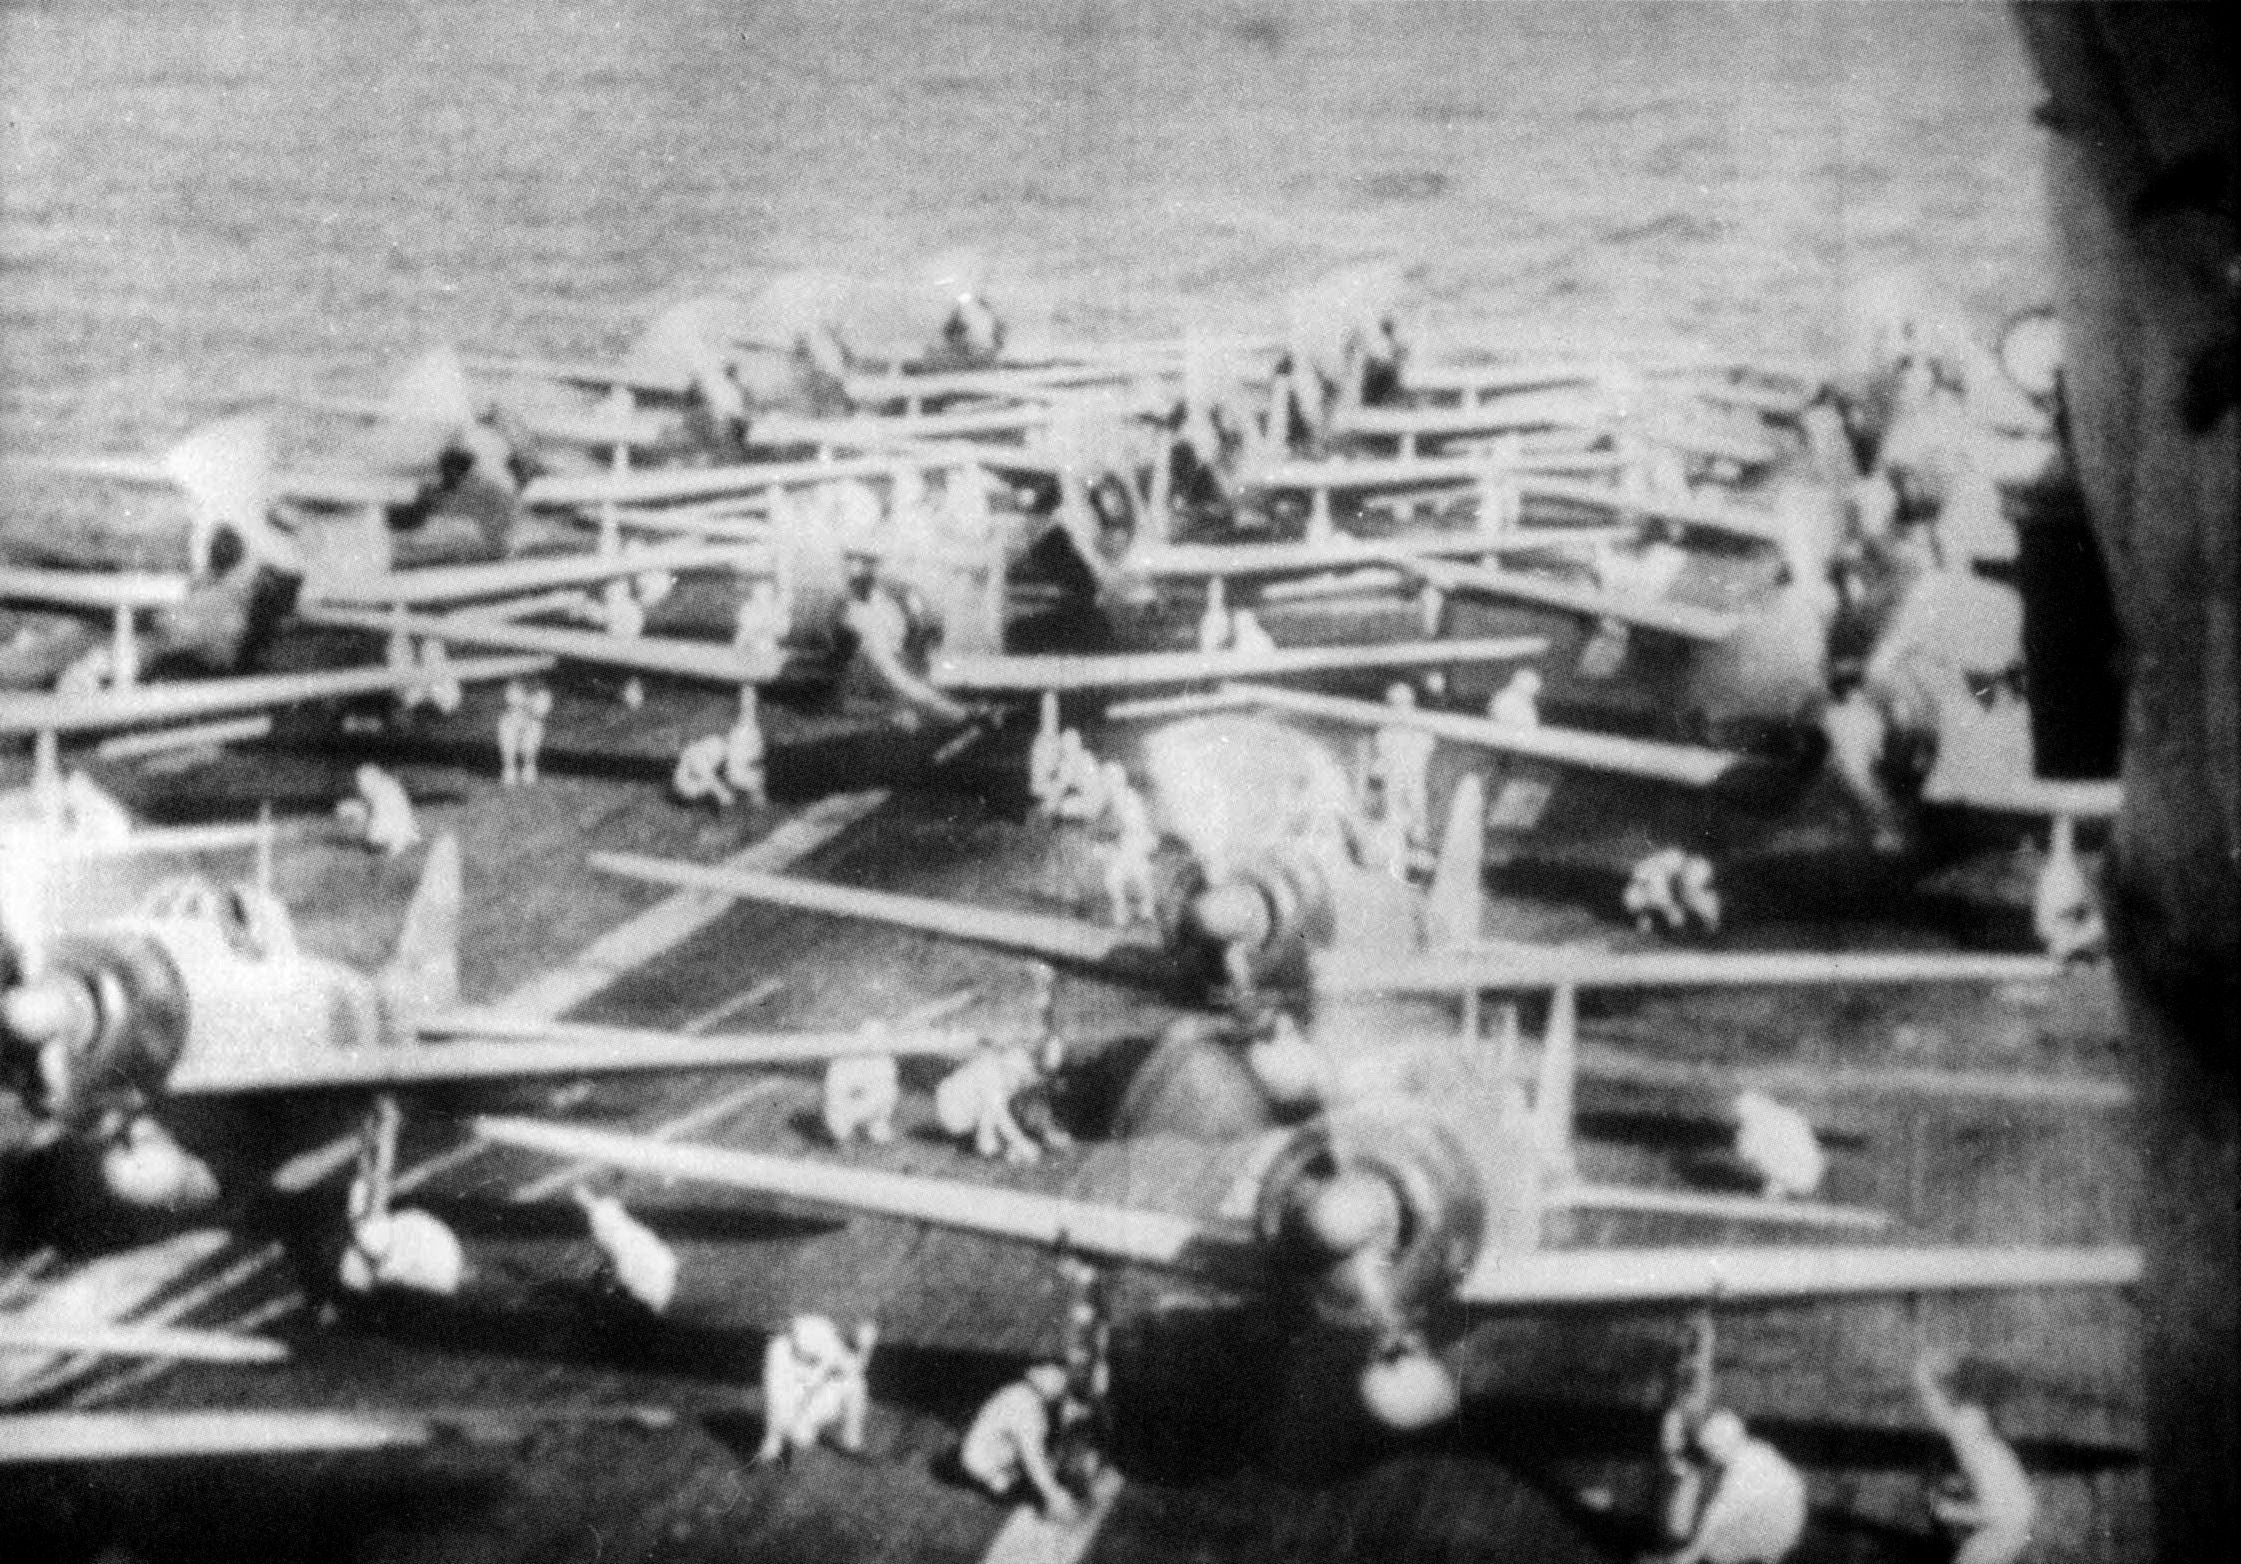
1729, 654
1412, 1177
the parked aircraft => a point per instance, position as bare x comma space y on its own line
205, 992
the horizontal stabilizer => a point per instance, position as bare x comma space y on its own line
1740, 1271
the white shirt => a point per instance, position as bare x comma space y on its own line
1757, 1510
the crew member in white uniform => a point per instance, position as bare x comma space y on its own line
744, 750
1517, 703
513, 734
974, 1102
814, 1385
1756, 1511
1009, 1444
700, 771
1213, 624
1043, 757
408, 1250
1778, 1145
862, 1092
624, 618
382, 812
1992, 1506
2064, 912
1130, 893
641, 1264
1401, 762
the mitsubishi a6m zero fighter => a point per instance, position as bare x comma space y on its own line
1358, 1170
177, 661
204, 994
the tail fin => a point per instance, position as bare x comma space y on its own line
1553, 1093
1452, 909
423, 972
225, 471
434, 391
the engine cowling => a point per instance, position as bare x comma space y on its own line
1383, 1207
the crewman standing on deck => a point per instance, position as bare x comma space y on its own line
640, 1265
381, 812
1755, 1513
1991, 1508
745, 749
1130, 892
513, 734
1400, 763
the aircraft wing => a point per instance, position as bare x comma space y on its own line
426, 585
994, 383
685, 485
1203, 561
1136, 670
1756, 1210
1725, 1273
873, 431
315, 488
1515, 411
133, 1341
1028, 934
53, 1438
1694, 511
711, 661
2035, 796
148, 704
1079, 1227
1494, 968
1684, 765
99, 589
1687, 620
540, 1049
596, 377
1370, 474
598, 427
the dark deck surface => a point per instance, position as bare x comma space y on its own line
1548, 1462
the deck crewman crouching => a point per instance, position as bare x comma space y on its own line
1008, 1449
814, 1383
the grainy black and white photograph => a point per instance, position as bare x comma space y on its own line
1032, 781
